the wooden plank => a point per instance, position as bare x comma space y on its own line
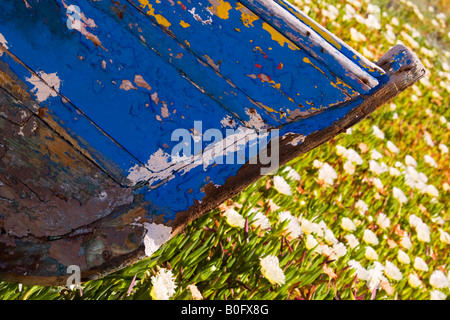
313, 43
344, 48
253, 65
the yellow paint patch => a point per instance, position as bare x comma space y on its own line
221, 9
276, 85
187, 43
247, 17
151, 11
268, 108
184, 24
278, 37
305, 59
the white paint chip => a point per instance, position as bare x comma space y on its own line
156, 235
3, 41
47, 88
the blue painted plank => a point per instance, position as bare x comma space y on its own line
255, 57
368, 66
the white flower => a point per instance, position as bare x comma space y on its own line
438, 220
317, 164
356, 35
399, 195
383, 221
361, 206
445, 186
339, 250
405, 242
260, 220
370, 253
196, 295
392, 147
272, 205
329, 237
399, 165
443, 148
324, 250
438, 280
352, 241
349, 167
392, 272
163, 285
311, 242
414, 220
423, 232
437, 295
442, 119
428, 139
370, 238
410, 161
376, 275
353, 156
348, 225
377, 183
430, 161
403, 257
321, 230
293, 228
394, 172
327, 174
340, 150
270, 269
292, 174
375, 155
420, 264
282, 186
432, 191
422, 177
308, 226
414, 281
361, 272
376, 168
234, 219
378, 133
444, 236
390, 36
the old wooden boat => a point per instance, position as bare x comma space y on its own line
97, 94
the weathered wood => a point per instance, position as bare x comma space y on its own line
344, 48
86, 125
317, 46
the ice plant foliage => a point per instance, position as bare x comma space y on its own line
363, 216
